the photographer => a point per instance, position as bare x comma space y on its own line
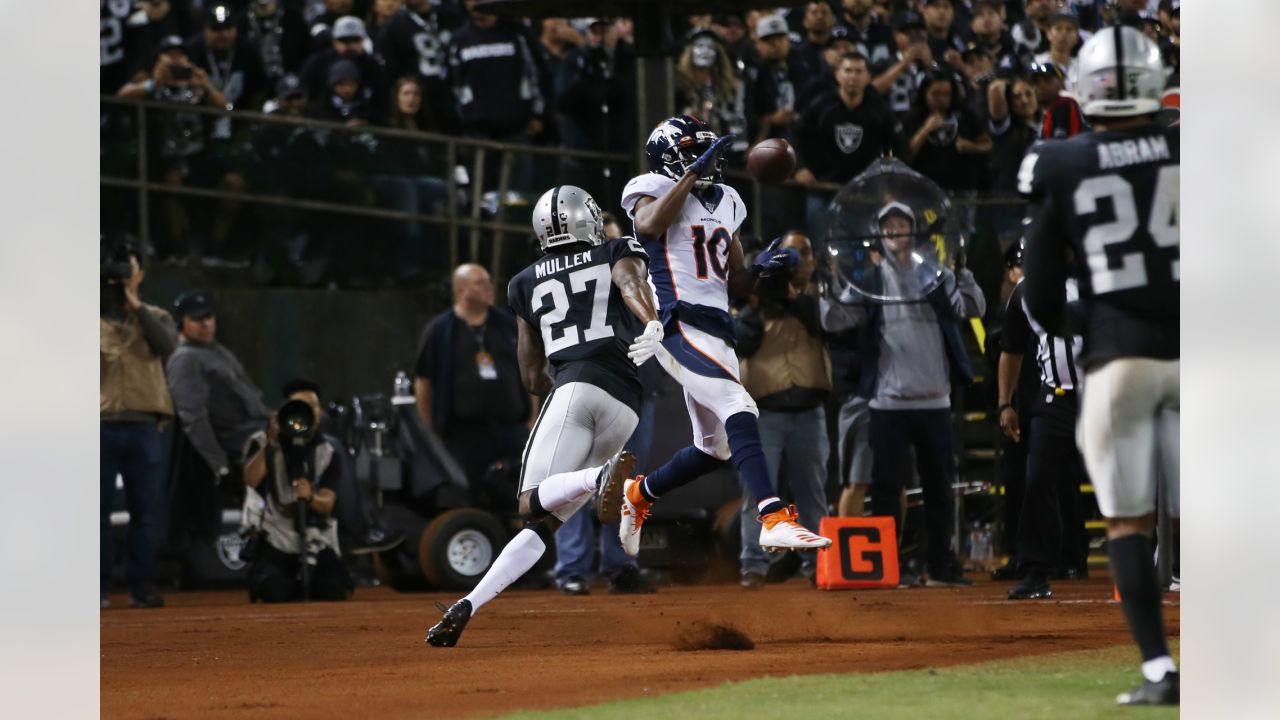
786, 369
290, 471
133, 403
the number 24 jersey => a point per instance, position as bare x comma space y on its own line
1112, 198
569, 298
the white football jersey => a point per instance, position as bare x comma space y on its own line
690, 262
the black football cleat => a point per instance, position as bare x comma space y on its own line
1033, 586
609, 486
1164, 692
446, 632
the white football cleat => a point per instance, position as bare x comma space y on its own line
782, 531
634, 513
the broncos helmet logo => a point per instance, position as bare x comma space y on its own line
676, 142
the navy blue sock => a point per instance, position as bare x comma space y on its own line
1134, 572
685, 466
744, 442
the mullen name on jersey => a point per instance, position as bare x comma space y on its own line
559, 263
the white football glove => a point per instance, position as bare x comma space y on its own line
647, 343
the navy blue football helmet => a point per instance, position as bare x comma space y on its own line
676, 142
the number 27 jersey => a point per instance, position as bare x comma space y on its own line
569, 299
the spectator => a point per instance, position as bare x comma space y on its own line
346, 101
119, 45
989, 33
786, 369
234, 67
283, 483
1013, 120
218, 405
409, 176
380, 12
179, 148
1064, 37
870, 34
279, 172
467, 380
822, 86
898, 79
159, 19
349, 44
133, 404
840, 138
556, 39
1031, 36
320, 25
232, 63
944, 42
818, 23
497, 87
280, 34
945, 135
774, 81
911, 353
414, 41
1062, 116
595, 93
709, 87
731, 28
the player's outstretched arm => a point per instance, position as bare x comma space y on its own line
631, 276
654, 216
532, 359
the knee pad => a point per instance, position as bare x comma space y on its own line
536, 513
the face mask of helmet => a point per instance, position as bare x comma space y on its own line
567, 215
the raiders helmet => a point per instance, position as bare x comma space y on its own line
565, 215
1120, 74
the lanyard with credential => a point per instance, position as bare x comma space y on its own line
484, 359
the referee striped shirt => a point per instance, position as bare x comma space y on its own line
1055, 355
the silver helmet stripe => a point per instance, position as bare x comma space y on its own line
555, 213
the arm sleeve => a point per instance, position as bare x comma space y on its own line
749, 332
972, 302
424, 366
1043, 260
158, 329
190, 393
1015, 332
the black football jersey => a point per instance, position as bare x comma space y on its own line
1104, 207
569, 297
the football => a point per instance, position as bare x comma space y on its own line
771, 161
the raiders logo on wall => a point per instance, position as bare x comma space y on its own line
848, 137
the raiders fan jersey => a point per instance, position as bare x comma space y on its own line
569, 297
1109, 200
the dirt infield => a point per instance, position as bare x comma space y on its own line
213, 655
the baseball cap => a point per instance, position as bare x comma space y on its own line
1038, 69
770, 25
343, 69
290, 86
219, 16
1064, 16
896, 208
909, 20
170, 42
349, 26
195, 304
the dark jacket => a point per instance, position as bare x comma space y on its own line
438, 337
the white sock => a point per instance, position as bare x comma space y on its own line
563, 489
1154, 669
515, 560
760, 506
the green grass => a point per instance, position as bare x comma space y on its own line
1065, 685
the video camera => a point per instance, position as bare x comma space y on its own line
297, 433
115, 269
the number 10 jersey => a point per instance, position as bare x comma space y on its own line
569, 298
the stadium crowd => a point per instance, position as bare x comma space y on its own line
957, 88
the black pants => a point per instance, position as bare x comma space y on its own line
892, 431
1013, 473
275, 577
1051, 529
